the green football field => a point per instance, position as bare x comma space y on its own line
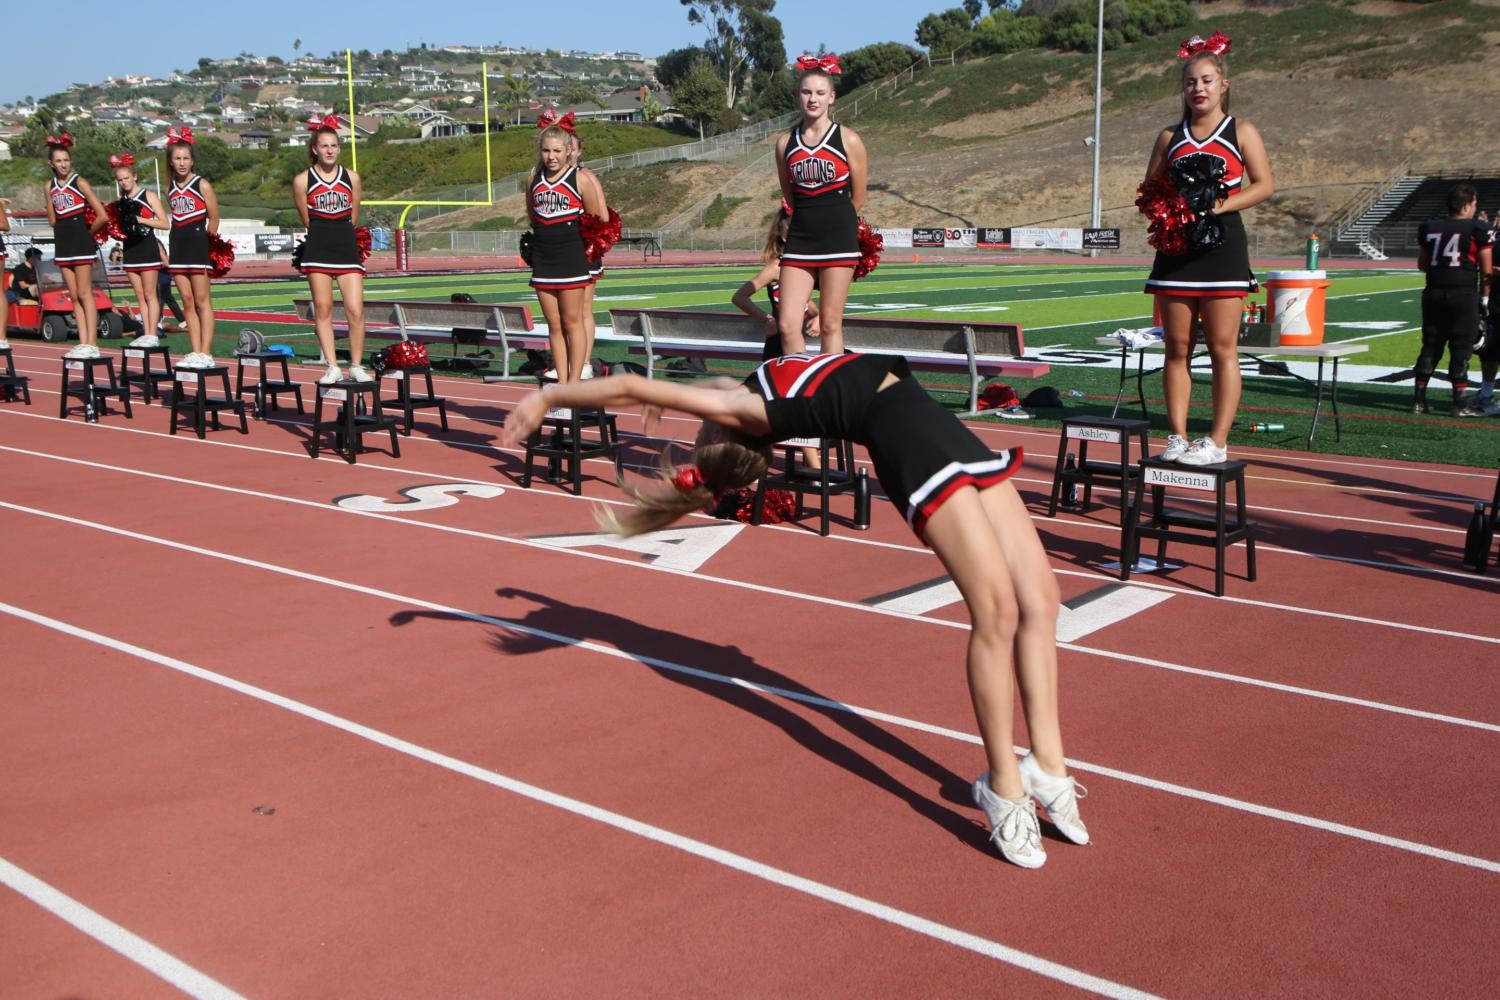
1059, 306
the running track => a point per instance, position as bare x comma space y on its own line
255, 743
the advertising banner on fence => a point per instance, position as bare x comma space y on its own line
274, 242
244, 243
927, 237
991, 238
897, 238
961, 237
1101, 239
1034, 238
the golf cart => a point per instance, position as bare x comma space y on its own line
52, 316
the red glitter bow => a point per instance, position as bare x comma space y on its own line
827, 63
64, 141
1217, 44
549, 118
688, 479
177, 134
329, 121
122, 160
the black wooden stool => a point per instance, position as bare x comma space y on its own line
265, 387
80, 380
836, 477
190, 395
1122, 472
1218, 530
149, 377
408, 400
10, 381
567, 450
359, 413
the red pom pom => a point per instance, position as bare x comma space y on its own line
778, 506
89, 215
407, 354
599, 235
362, 240
871, 246
220, 255
1159, 200
115, 229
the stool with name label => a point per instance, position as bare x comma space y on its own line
1217, 530
359, 413
190, 396
408, 400
567, 449
149, 378
265, 387
1121, 473
81, 380
10, 382
835, 477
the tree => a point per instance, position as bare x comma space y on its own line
673, 66
875, 62
515, 93
1004, 31
650, 109
700, 93
296, 45
736, 29
944, 32
577, 92
974, 8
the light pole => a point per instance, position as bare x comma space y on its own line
1098, 105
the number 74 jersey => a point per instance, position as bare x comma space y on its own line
1452, 249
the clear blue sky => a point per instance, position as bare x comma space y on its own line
155, 37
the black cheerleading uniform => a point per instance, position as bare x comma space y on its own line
331, 246
824, 229
557, 258
74, 243
188, 251
922, 453
1222, 271
142, 252
1450, 302
772, 348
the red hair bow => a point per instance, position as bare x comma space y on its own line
1217, 44
182, 133
826, 63
549, 119
329, 121
122, 160
786, 208
64, 141
688, 479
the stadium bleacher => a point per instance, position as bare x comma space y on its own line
1396, 234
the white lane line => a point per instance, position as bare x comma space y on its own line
110, 934
598, 814
725, 581
1225, 801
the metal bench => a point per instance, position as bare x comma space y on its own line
465, 324
978, 350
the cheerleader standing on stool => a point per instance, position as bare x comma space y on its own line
141, 254
195, 214
949, 486
588, 179
1207, 287
559, 268
5, 292
327, 198
69, 198
822, 169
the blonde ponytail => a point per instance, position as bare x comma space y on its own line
722, 466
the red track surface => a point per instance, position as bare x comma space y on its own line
534, 776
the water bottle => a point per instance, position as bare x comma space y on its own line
1266, 428
862, 499
1070, 491
1476, 549
1312, 252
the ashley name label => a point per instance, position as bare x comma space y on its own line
1094, 434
